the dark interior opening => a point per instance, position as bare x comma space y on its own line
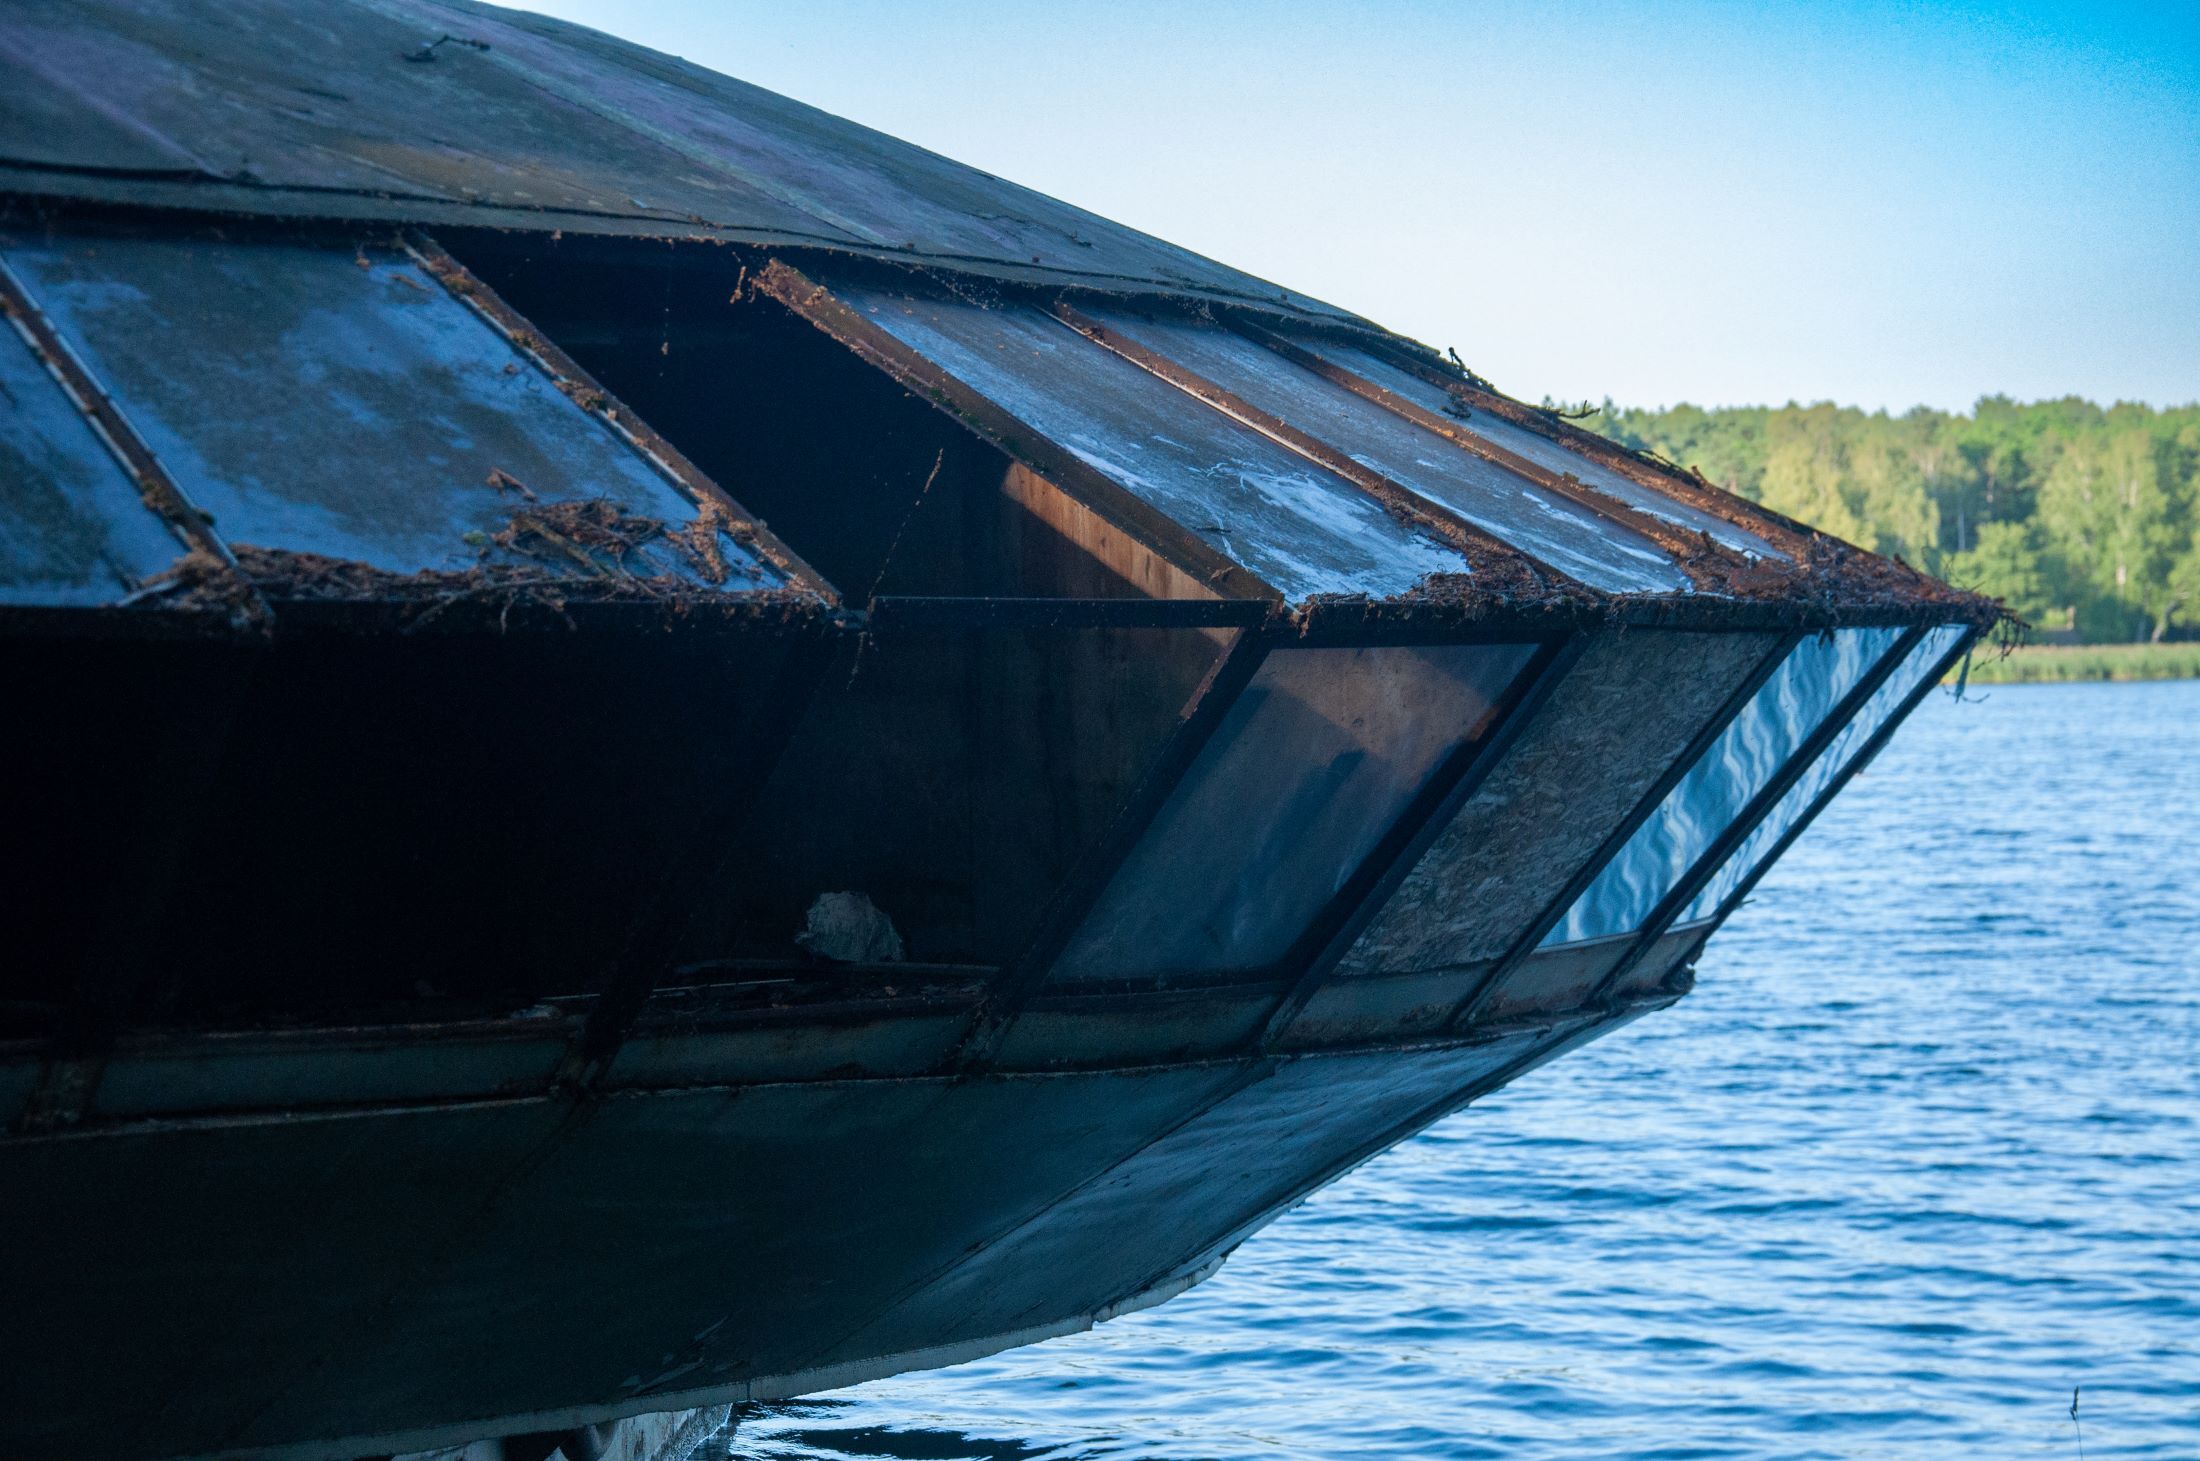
882, 492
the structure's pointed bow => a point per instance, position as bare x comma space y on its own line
507, 541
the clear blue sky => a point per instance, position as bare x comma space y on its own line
1879, 204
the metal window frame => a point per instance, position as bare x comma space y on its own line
1493, 982
1323, 946
1738, 831
1144, 524
608, 411
1857, 763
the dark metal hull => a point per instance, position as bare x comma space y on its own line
340, 1275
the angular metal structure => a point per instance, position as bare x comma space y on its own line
498, 528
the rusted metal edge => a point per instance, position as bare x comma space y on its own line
1484, 550
1530, 938
1428, 616
890, 612
715, 506
1686, 548
992, 423
1857, 763
1737, 832
1216, 693
206, 557
1323, 946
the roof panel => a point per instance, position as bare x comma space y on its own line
335, 109
73, 529
339, 401
1537, 448
1540, 523
1302, 528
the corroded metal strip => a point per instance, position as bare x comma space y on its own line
1683, 546
1324, 945
1482, 547
1737, 832
1217, 692
1531, 937
159, 491
1865, 753
985, 418
713, 503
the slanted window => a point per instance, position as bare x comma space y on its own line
1747, 755
1512, 509
1831, 763
1624, 714
1298, 526
1310, 768
312, 398
1534, 446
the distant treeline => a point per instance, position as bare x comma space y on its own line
2082, 518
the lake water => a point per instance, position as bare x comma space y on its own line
1920, 1155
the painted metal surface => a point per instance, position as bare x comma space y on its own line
1620, 718
1541, 524
1306, 773
340, 402
351, 110
1297, 526
1924, 658
1537, 448
1817, 673
73, 529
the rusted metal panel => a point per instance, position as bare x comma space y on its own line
73, 527
1548, 528
1308, 771
1252, 501
352, 110
338, 402
1818, 672
1623, 715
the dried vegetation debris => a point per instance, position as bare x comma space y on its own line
547, 556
